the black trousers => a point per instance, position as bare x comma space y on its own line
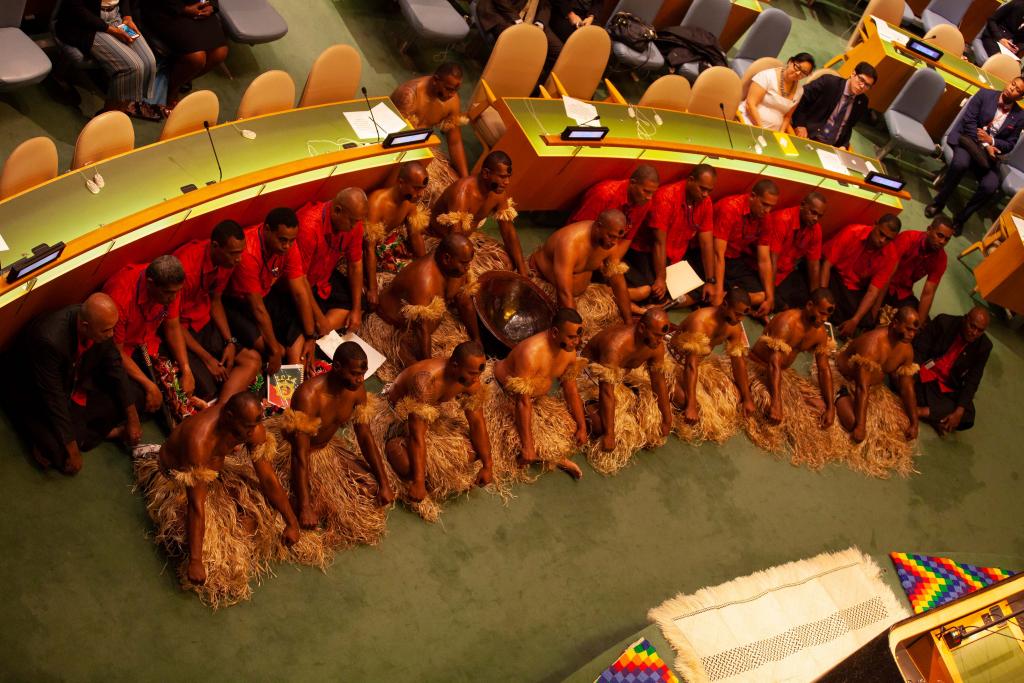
794, 291
847, 300
280, 307
210, 338
988, 184
940, 404
739, 273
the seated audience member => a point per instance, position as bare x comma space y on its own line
921, 253
95, 28
393, 234
569, 257
680, 226
697, 335
616, 350
989, 127
433, 101
215, 356
774, 93
866, 361
631, 196
266, 314
743, 244
862, 258
796, 238
69, 388
414, 397
784, 338
191, 32
952, 352
331, 233
1005, 27
465, 205
415, 301
494, 16
528, 372
831, 106
569, 15
148, 304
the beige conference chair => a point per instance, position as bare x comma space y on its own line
715, 89
947, 38
269, 93
818, 73
1003, 67
756, 67
106, 135
188, 116
889, 11
512, 70
581, 63
32, 163
668, 92
334, 77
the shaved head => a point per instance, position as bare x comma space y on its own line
244, 406
348, 207
351, 198
980, 315
99, 310
655, 317
411, 171
975, 323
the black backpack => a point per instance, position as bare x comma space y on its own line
631, 31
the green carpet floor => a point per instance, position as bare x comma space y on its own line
532, 591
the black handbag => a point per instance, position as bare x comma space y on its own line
631, 31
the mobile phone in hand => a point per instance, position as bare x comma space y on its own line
129, 30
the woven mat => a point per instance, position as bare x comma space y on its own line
933, 581
793, 622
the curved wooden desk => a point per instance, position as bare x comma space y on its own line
550, 173
142, 212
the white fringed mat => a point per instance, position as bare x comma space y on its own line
793, 622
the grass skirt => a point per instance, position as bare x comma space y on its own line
341, 496
440, 174
717, 402
799, 435
380, 335
596, 305
637, 421
885, 450
232, 556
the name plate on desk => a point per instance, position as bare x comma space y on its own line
41, 255
584, 133
406, 137
883, 181
924, 50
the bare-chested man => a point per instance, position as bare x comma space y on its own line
570, 255
698, 334
415, 395
617, 349
866, 361
415, 301
391, 207
430, 101
528, 371
194, 454
329, 401
467, 203
785, 337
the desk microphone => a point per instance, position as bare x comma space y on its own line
376, 128
725, 122
216, 157
596, 118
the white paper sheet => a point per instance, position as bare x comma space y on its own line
583, 113
387, 119
363, 125
330, 342
889, 34
3, 245
1019, 224
1006, 51
871, 167
832, 162
680, 279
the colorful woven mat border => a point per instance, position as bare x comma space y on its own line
931, 581
639, 663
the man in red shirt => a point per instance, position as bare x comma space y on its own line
214, 353
147, 300
331, 233
796, 237
679, 226
743, 245
863, 258
632, 197
261, 315
920, 254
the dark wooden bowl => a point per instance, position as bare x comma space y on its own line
510, 308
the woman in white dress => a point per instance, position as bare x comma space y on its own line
774, 93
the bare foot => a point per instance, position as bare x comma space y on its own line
691, 415
307, 518
775, 413
525, 462
196, 571
290, 535
571, 468
417, 491
608, 442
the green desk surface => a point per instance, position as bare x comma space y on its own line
541, 117
957, 72
748, 4
64, 209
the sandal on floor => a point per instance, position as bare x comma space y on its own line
144, 111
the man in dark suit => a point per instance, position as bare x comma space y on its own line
831, 106
494, 16
990, 126
952, 352
71, 390
1006, 26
